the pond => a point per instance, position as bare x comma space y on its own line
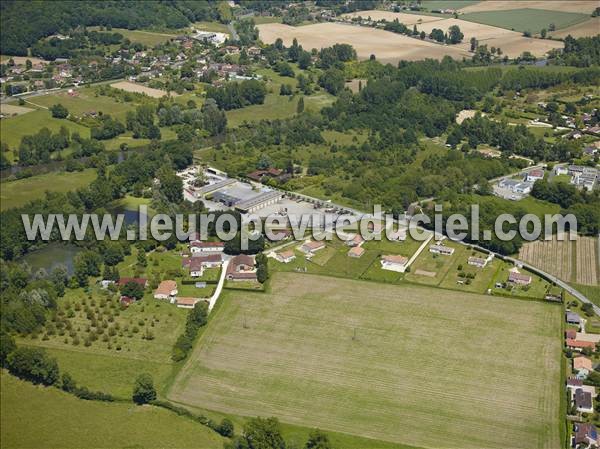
51, 256
131, 215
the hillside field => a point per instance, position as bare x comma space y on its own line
440, 364
38, 417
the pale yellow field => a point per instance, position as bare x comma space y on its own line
587, 261
138, 88
512, 43
590, 27
12, 109
406, 19
564, 6
387, 46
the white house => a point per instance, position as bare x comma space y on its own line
285, 256
394, 263
534, 175
561, 170
310, 247
441, 249
198, 246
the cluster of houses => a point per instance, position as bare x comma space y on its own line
523, 185
581, 395
581, 176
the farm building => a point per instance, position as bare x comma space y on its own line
356, 251
585, 435
573, 318
186, 303
583, 401
514, 277
197, 264
206, 247
311, 246
441, 249
285, 256
394, 263
140, 281
241, 268
166, 289
225, 198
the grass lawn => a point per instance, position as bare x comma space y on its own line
212, 26
411, 365
85, 101
14, 128
483, 276
450, 4
526, 19
21, 191
39, 417
277, 106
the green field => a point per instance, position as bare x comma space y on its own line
277, 107
19, 192
526, 19
440, 364
450, 4
85, 101
14, 128
148, 38
592, 293
38, 417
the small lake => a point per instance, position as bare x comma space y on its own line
51, 256
131, 215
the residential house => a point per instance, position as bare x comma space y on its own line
270, 173
479, 262
577, 344
206, 247
572, 318
514, 277
197, 263
441, 249
310, 247
534, 175
241, 268
583, 401
584, 336
356, 251
285, 256
585, 435
571, 334
582, 365
140, 281
357, 240
186, 303
398, 236
561, 170
166, 289
573, 383
394, 263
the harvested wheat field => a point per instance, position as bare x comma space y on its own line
552, 256
387, 46
405, 364
140, 89
586, 7
406, 19
512, 43
588, 28
588, 262
13, 109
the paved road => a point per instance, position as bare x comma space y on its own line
213, 299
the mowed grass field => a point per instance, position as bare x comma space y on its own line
526, 19
413, 365
38, 417
19, 192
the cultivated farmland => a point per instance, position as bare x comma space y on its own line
440, 364
587, 261
590, 27
128, 86
579, 6
571, 261
387, 46
552, 256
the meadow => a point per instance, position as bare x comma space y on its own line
36, 417
441, 364
21, 191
